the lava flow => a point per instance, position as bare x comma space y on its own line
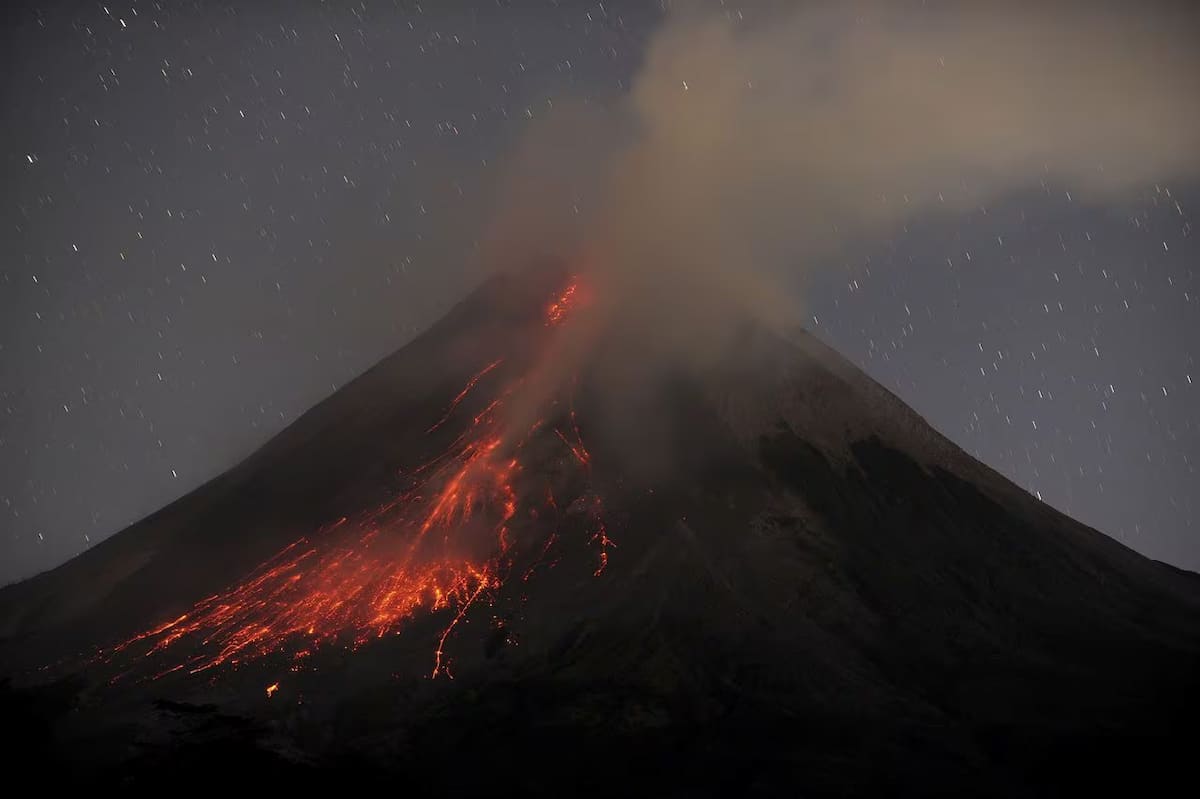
562, 305
442, 544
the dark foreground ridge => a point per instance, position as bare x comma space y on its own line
797, 587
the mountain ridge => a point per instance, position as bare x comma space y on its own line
776, 542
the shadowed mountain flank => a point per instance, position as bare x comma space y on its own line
504, 560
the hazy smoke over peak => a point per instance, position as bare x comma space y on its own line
746, 150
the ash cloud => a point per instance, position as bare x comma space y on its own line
747, 150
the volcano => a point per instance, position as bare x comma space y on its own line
505, 560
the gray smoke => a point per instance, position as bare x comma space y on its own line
751, 149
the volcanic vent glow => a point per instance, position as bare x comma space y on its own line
420, 552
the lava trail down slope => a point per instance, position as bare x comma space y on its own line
505, 560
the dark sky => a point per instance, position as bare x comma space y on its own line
215, 215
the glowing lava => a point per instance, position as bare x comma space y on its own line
561, 305
462, 394
441, 545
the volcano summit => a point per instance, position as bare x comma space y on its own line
526, 555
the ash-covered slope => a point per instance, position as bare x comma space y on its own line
764, 574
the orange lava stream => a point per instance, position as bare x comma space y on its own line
356, 581
462, 394
560, 306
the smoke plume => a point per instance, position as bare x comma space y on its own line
749, 147
746, 150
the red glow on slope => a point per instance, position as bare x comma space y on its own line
462, 394
443, 544
562, 305
577, 449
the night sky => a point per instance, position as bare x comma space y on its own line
216, 215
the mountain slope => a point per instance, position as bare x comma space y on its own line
761, 575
